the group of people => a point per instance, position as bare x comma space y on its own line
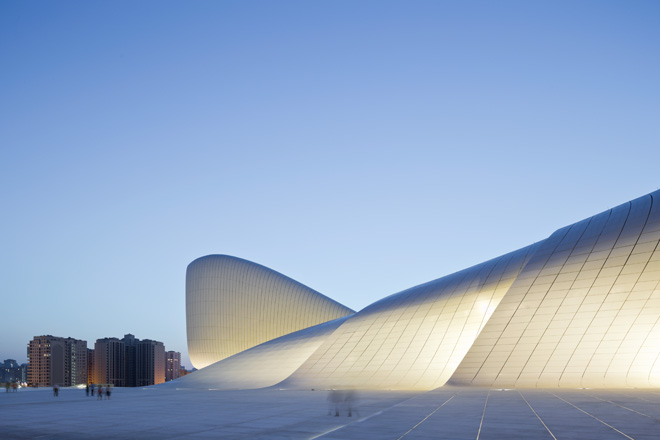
92, 390
98, 391
13, 386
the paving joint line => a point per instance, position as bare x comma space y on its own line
591, 415
362, 419
537, 415
641, 398
424, 419
483, 414
624, 407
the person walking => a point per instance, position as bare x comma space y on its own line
56, 390
335, 399
92, 389
350, 399
100, 393
87, 390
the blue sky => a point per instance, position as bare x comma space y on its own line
358, 147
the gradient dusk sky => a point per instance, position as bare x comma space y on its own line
359, 147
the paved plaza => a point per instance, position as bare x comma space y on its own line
446, 413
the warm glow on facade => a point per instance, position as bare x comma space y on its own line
578, 309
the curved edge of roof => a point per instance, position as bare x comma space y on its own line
267, 269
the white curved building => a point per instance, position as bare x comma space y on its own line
578, 309
584, 312
264, 365
414, 339
233, 304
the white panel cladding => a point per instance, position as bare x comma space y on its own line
233, 304
263, 365
579, 309
583, 312
413, 339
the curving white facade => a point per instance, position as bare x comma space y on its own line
578, 309
585, 311
414, 339
264, 365
233, 304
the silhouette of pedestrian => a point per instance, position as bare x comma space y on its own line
100, 393
350, 400
107, 392
92, 388
87, 390
14, 387
7, 387
335, 398
56, 390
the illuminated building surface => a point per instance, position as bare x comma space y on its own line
536, 344
578, 309
234, 304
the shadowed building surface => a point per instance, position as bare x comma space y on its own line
449, 412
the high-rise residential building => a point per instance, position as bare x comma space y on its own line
41, 370
55, 360
130, 359
76, 361
10, 371
150, 362
172, 365
109, 362
23, 373
129, 362
90, 366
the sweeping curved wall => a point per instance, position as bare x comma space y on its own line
233, 304
585, 311
414, 339
263, 365
578, 309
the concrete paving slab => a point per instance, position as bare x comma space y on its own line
449, 412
